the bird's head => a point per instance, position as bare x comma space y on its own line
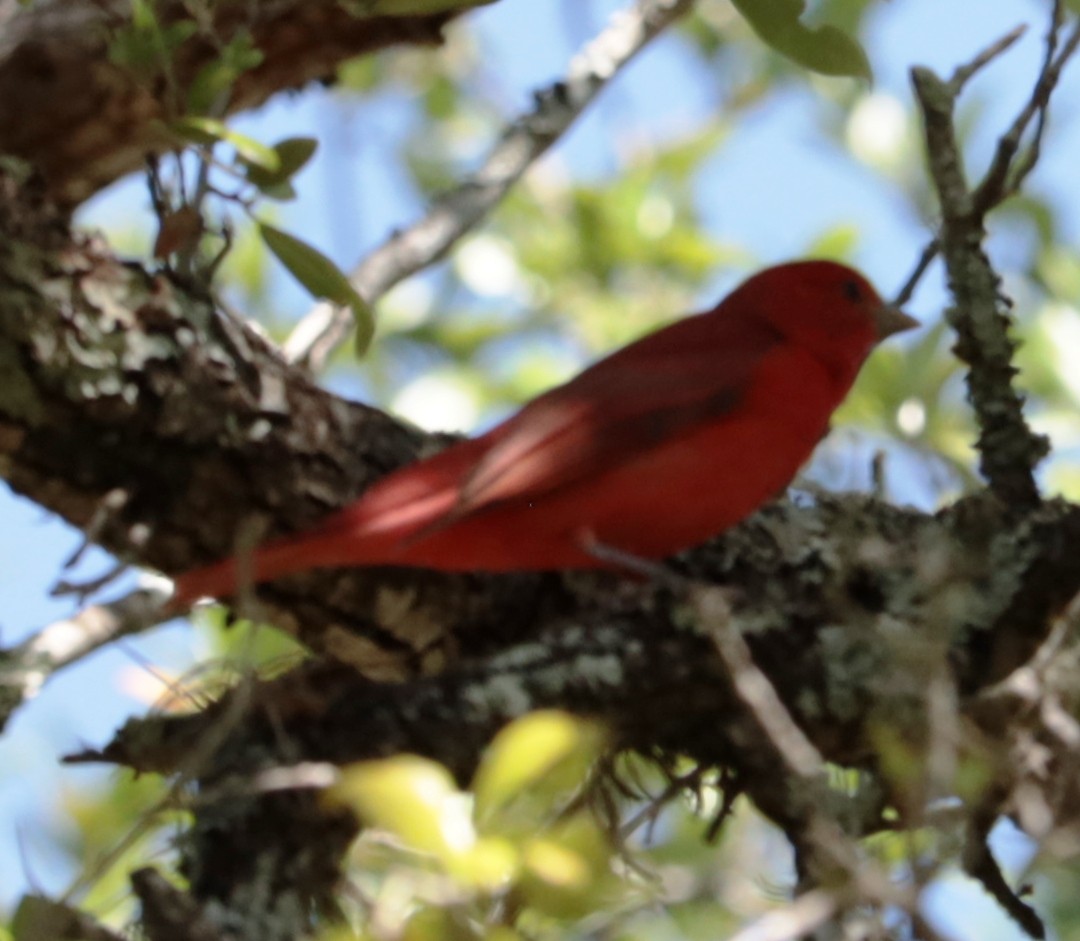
827, 308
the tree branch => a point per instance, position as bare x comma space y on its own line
25, 668
428, 239
84, 121
1008, 448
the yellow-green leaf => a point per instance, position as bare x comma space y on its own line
490, 865
322, 278
566, 872
547, 744
204, 130
413, 798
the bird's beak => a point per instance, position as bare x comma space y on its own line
889, 320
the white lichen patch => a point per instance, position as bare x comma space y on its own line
504, 693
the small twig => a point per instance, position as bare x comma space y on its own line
187, 770
1008, 449
1004, 178
649, 813
83, 588
933, 247
25, 668
107, 509
411, 249
964, 73
821, 834
979, 863
755, 689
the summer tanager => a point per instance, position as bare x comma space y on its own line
664, 443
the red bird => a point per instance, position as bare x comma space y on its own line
664, 443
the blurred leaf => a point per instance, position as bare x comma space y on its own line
846, 14
361, 73
839, 242
413, 798
143, 45
489, 866
823, 49
322, 278
547, 749
1059, 267
292, 154
203, 130
42, 919
568, 872
212, 85
429, 923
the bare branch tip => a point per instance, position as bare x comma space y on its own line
964, 73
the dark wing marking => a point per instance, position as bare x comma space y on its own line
695, 372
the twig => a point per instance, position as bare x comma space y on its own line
755, 689
822, 834
979, 863
933, 247
1008, 448
964, 73
410, 250
1003, 178
25, 667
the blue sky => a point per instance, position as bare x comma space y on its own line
349, 203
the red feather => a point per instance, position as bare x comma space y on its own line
662, 444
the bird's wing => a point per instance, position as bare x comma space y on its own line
693, 372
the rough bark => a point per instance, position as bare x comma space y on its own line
85, 121
136, 410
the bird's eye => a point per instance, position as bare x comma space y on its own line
853, 291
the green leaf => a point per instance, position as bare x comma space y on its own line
204, 130
322, 278
143, 46
823, 49
212, 85
282, 192
292, 154
209, 86
143, 16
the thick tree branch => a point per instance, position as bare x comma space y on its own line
846, 607
84, 121
840, 610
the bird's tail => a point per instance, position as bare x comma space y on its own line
377, 530
325, 547
228, 576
